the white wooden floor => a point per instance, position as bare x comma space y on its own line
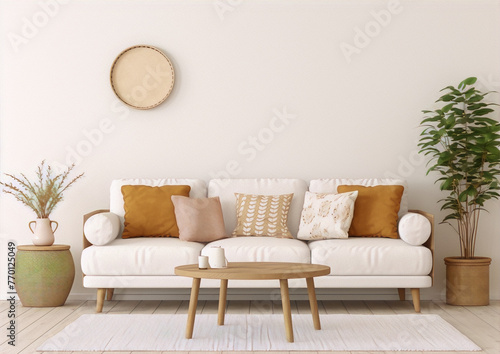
35, 325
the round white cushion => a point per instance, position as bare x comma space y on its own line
102, 228
414, 229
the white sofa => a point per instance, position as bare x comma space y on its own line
356, 262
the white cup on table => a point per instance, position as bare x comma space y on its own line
203, 262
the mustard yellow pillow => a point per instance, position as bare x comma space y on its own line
262, 215
375, 210
149, 210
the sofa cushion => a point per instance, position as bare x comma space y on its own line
329, 185
149, 211
225, 189
262, 249
371, 256
116, 203
326, 215
102, 228
199, 219
414, 229
375, 210
139, 256
262, 215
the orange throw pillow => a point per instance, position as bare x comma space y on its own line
375, 210
149, 210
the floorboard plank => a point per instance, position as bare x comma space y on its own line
277, 307
495, 305
146, 307
74, 304
123, 306
211, 307
357, 307
107, 306
333, 307
261, 307
36, 330
488, 316
19, 313
32, 316
321, 308
238, 306
183, 307
480, 332
401, 307
304, 308
24, 322
168, 307
4, 305
88, 307
18, 309
478, 352
379, 307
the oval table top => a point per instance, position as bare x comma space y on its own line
255, 271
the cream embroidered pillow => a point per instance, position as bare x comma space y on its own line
326, 216
262, 215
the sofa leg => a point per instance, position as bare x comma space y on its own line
109, 294
401, 292
415, 294
101, 293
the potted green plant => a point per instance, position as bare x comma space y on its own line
42, 196
463, 145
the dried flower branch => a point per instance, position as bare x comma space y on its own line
43, 195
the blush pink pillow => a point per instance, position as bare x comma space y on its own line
199, 219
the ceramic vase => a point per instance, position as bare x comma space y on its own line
43, 232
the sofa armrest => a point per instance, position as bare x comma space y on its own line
87, 243
430, 242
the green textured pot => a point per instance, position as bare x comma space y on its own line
44, 275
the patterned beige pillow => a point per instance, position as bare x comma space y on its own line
262, 215
326, 216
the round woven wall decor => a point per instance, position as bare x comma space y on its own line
142, 76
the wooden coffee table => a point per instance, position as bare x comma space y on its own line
254, 271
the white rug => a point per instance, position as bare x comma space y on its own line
105, 332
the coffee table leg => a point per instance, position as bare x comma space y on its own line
313, 302
285, 302
193, 302
222, 301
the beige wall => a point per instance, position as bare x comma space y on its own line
352, 76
